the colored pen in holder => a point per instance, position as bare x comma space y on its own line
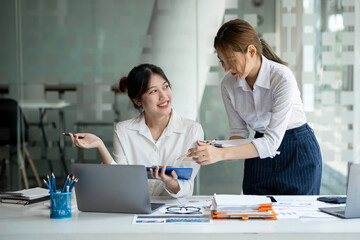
60, 205
60, 201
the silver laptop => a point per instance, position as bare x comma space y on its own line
112, 188
352, 207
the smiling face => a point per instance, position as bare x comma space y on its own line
156, 101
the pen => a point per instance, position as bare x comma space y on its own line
48, 178
73, 184
71, 180
53, 183
48, 185
65, 184
67, 134
182, 156
207, 142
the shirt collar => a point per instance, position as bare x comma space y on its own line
175, 125
263, 79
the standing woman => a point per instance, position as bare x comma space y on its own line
158, 136
261, 92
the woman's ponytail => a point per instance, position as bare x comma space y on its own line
123, 85
269, 53
236, 35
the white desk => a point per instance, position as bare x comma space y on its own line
33, 222
43, 105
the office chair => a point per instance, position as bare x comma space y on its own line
13, 127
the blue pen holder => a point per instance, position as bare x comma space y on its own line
60, 205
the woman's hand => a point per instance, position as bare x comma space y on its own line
88, 140
169, 180
205, 154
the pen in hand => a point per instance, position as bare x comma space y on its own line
67, 134
207, 142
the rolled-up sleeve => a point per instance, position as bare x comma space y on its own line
284, 92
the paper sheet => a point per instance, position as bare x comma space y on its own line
299, 207
33, 193
171, 219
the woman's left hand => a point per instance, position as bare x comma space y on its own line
205, 154
160, 175
169, 180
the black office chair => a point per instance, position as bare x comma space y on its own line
13, 126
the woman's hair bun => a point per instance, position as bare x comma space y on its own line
123, 85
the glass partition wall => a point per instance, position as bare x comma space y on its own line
66, 58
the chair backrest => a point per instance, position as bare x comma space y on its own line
9, 112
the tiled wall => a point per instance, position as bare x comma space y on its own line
80, 47
84, 47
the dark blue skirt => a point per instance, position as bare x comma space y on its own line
296, 171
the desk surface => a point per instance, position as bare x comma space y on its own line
33, 222
43, 105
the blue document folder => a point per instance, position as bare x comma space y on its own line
182, 173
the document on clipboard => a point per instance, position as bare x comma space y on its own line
242, 207
229, 143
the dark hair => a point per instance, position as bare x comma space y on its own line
136, 83
236, 35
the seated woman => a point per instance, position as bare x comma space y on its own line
157, 137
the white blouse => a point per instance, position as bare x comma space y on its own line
134, 145
272, 107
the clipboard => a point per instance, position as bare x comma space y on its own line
264, 211
182, 173
242, 207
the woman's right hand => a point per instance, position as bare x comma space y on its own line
88, 140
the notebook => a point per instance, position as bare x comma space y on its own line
26, 196
112, 188
352, 207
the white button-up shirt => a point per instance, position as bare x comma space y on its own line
134, 145
272, 107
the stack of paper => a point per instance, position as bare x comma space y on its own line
242, 207
26, 196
